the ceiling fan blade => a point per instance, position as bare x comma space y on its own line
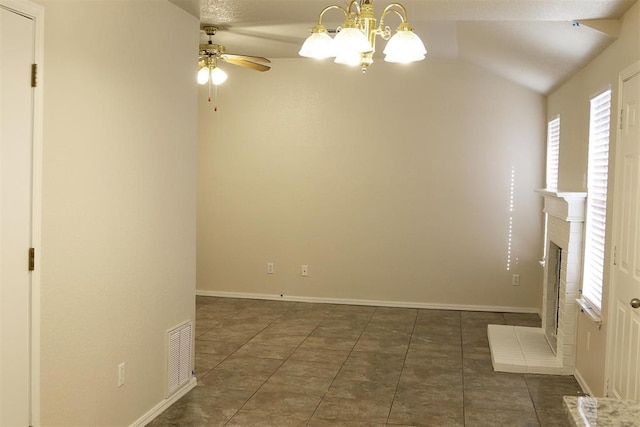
246, 57
247, 64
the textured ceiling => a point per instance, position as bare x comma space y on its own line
531, 42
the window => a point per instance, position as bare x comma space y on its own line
551, 177
597, 179
553, 153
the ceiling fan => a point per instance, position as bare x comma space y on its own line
210, 53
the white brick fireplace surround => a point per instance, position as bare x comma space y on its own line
550, 349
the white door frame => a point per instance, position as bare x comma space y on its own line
624, 75
35, 12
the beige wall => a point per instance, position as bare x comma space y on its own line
119, 207
571, 101
392, 186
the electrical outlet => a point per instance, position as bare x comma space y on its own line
304, 270
515, 280
270, 267
121, 374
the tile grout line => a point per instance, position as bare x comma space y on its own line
526, 383
464, 418
406, 353
338, 373
229, 356
324, 316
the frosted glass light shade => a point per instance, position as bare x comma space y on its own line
318, 45
203, 75
404, 47
218, 76
350, 41
349, 58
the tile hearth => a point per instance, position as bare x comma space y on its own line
522, 349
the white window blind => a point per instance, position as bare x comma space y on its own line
597, 179
551, 176
553, 153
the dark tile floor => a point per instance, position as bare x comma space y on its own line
278, 363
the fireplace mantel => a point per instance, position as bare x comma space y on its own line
565, 205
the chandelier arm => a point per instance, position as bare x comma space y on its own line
355, 4
328, 8
402, 13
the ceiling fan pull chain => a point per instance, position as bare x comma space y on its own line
215, 98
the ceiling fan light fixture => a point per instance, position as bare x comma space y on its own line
405, 46
319, 45
211, 53
203, 75
218, 76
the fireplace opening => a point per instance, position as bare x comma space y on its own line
552, 314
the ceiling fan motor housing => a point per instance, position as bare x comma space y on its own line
210, 51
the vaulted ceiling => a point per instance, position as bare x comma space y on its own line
535, 43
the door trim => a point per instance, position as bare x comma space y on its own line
623, 76
36, 13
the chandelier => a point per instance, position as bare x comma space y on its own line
355, 41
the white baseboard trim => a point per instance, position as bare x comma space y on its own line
381, 303
582, 382
165, 404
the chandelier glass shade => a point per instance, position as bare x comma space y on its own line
352, 59
404, 47
355, 41
318, 45
350, 40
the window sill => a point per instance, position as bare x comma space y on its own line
590, 311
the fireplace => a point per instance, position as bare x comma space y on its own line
550, 349
561, 280
553, 262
